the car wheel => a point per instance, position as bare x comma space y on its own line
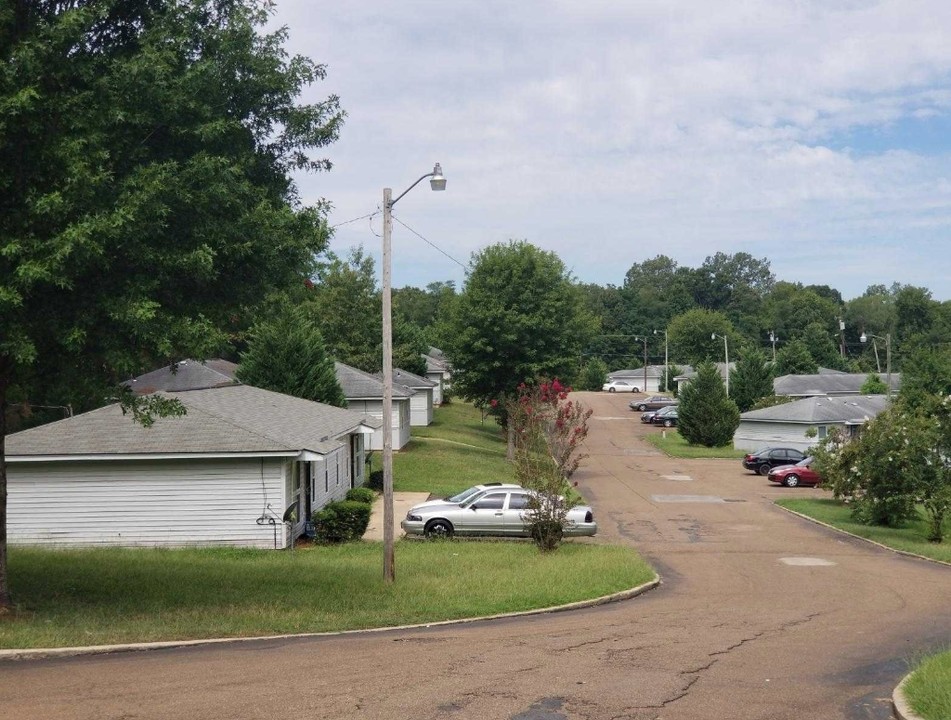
611, 390
633, 390
792, 480
668, 423
763, 469
642, 408
439, 529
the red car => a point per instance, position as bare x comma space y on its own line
793, 475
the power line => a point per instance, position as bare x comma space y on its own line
362, 217
431, 244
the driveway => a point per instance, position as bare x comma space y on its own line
761, 615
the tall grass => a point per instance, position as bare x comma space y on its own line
103, 596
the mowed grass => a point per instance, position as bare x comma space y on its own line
910, 538
104, 596
675, 446
453, 453
928, 690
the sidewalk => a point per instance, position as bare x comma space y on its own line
402, 501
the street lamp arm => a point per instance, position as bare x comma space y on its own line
436, 173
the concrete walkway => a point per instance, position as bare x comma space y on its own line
402, 501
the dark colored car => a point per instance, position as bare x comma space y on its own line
655, 402
762, 461
648, 417
794, 475
666, 417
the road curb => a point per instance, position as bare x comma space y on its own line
47, 653
900, 707
906, 553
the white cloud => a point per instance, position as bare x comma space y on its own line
610, 132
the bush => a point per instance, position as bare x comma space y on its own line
341, 521
375, 481
361, 494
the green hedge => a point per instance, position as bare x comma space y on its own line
361, 494
341, 521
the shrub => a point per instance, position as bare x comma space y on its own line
375, 481
361, 494
342, 521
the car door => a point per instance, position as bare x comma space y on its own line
484, 514
515, 516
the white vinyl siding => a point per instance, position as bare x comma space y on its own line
754, 436
421, 407
400, 420
150, 503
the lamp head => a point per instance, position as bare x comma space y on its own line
713, 336
437, 182
863, 338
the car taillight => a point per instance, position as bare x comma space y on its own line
588, 516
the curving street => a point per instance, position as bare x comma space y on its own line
761, 616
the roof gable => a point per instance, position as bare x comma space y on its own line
186, 375
359, 385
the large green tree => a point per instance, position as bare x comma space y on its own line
349, 311
519, 317
287, 354
706, 415
146, 148
751, 380
690, 336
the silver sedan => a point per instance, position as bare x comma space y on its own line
505, 512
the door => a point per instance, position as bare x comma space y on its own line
485, 515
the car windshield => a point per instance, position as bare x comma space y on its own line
805, 462
464, 495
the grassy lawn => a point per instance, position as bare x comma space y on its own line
929, 689
675, 446
453, 453
911, 538
102, 596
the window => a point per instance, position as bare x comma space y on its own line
823, 431
494, 501
518, 501
326, 479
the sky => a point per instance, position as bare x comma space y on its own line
813, 133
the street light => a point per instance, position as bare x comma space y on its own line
888, 356
437, 182
773, 339
726, 352
644, 340
666, 362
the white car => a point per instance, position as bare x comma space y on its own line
496, 511
619, 386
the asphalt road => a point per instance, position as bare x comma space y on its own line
761, 615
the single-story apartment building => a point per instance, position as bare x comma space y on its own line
828, 383
787, 425
438, 371
364, 393
421, 397
229, 471
647, 379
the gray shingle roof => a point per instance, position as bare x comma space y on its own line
359, 385
653, 371
827, 384
818, 410
186, 375
414, 382
229, 419
436, 364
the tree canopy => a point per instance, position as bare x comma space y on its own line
519, 318
145, 194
